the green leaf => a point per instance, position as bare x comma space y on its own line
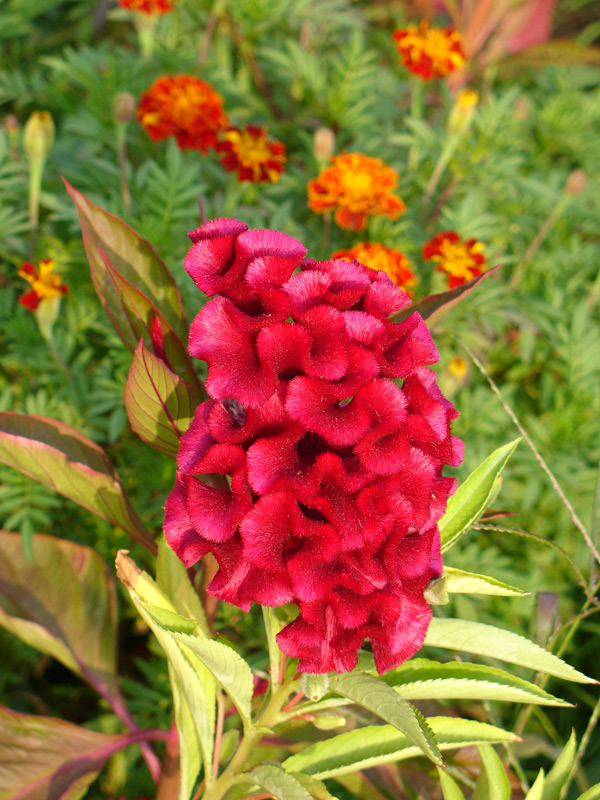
61, 458
383, 744
557, 777
492, 642
160, 405
593, 793
316, 787
471, 498
190, 750
49, 759
459, 582
558, 51
421, 679
450, 788
173, 579
535, 793
492, 783
63, 603
134, 259
375, 695
276, 781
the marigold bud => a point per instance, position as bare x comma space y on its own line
462, 112
123, 108
576, 182
323, 144
38, 136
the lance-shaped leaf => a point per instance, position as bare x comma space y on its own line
436, 306
592, 794
421, 679
61, 458
134, 259
43, 758
537, 788
491, 642
471, 498
159, 404
278, 783
63, 603
460, 582
558, 775
375, 695
450, 788
383, 744
492, 783
173, 579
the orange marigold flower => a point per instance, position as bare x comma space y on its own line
355, 186
461, 261
184, 107
147, 6
429, 52
377, 256
255, 157
44, 281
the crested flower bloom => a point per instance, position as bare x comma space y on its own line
356, 187
252, 154
461, 261
310, 475
184, 107
376, 256
429, 52
148, 6
45, 283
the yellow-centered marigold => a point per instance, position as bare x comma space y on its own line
252, 154
377, 256
429, 52
45, 283
355, 187
460, 260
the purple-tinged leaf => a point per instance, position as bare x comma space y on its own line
160, 405
131, 257
436, 306
63, 459
63, 603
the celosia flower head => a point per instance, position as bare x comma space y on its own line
355, 187
184, 107
45, 283
460, 260
251, 154
429, 52
376, 256
148, 6
311, 475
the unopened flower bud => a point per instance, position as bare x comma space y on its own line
324, 144
38, 136
314, 686
576, 182
123, 108
11, 124
462, 112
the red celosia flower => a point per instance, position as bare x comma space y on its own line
331, 481
44, 281
252, 154
461, 261
147, 6
184, 107
355, 186
429, 52
376, 256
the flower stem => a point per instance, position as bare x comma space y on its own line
36, 170
416, 111
539, 238
440, 167
122, 159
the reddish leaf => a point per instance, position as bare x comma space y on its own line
61, 458
436, 306
160, 404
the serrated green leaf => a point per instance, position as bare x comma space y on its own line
316, 787
492, 642
535, 793
173, 579
281, 784
375, 695
556, 778
383, 744
492, 783
460, 582
450, 788
471, 498
422, 679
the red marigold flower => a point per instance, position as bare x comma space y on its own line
429, 52
376, 256
184, 107
355, 186
461, 261
44, 281
252, 154
331, 474
148, 6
